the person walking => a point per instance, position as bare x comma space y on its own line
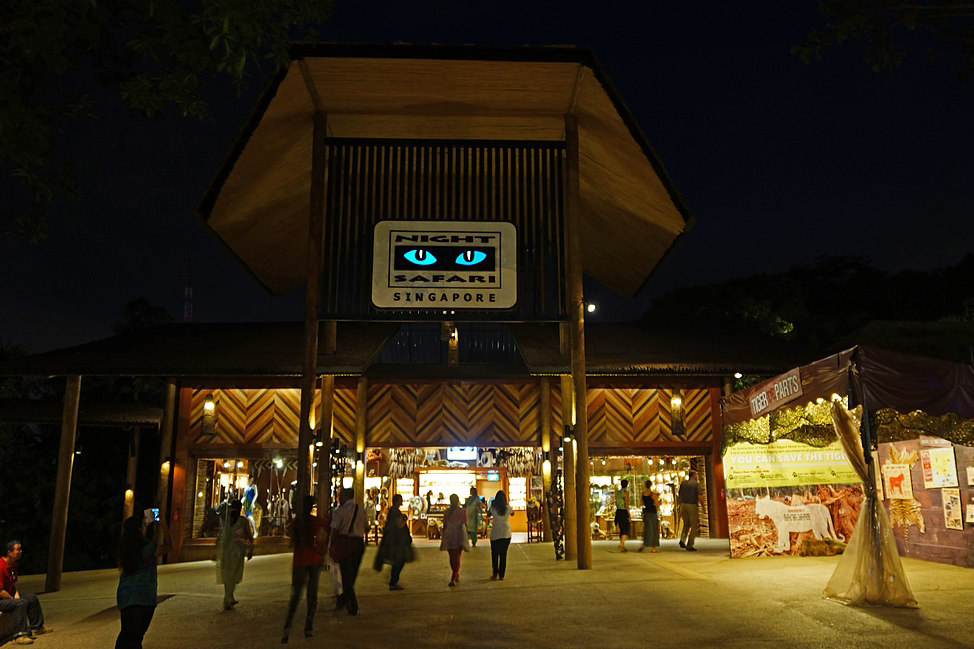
689, 495
455, 540
235, 542
139, 548
308, 538
500, 534
347, 547
650, 519
622, 514
396, 547
24, 608
475, 515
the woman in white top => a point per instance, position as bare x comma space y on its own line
500, 534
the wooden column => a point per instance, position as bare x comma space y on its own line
568, 472
62, 488
548, 449
326, 416
576, 307
720, 527
361, 422
166, 428
131, 468
316, 217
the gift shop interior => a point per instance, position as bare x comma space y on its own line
663, 472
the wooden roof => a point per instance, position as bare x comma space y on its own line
258, 202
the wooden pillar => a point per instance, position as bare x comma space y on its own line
166, 428
547, 449
131, 468
568, 473
576, 307
715, 482
62, 488
326, 416
316, 217
361, 422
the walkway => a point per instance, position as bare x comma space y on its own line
672, 599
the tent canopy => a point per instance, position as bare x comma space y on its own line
876, 378
630, 214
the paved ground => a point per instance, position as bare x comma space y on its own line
671, 599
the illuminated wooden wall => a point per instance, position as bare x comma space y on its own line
454, 413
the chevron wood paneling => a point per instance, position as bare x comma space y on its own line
453, 414
638, 416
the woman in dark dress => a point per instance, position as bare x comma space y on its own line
396, 547
650, 519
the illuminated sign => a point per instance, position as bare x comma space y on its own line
493, 476
444, 265
462, 453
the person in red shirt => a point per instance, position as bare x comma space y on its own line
309, 539
24, 607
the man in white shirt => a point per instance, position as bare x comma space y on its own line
348, 546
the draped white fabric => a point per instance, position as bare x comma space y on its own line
870, 572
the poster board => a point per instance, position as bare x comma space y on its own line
781, 494
939, 468
896, 481
953, 514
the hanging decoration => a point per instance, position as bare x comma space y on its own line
809, 424
403, 462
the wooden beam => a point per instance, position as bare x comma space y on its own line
326, 417
329, 337
576, 311
361, 423
62, 487
166, 450
568, 472
131, 469
549, 451
316, 215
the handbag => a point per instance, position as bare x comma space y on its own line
343, 544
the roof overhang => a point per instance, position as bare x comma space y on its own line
630, 214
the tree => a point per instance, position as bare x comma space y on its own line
818, 305
891, 29
61, 59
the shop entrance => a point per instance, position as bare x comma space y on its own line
663, 472
427, 476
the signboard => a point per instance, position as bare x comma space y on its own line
462, 453
939, 468
785, 389
786, 463
445, 265
896, 481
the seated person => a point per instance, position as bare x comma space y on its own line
24, 607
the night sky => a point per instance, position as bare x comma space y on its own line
779, 161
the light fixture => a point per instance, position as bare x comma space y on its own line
590, 307
165, 466
209, 406
278, 462
738, 375
199, 495
239, 464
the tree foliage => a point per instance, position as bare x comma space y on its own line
892, 30
61, 59
820, 304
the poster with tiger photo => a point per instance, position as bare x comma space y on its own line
789, 498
